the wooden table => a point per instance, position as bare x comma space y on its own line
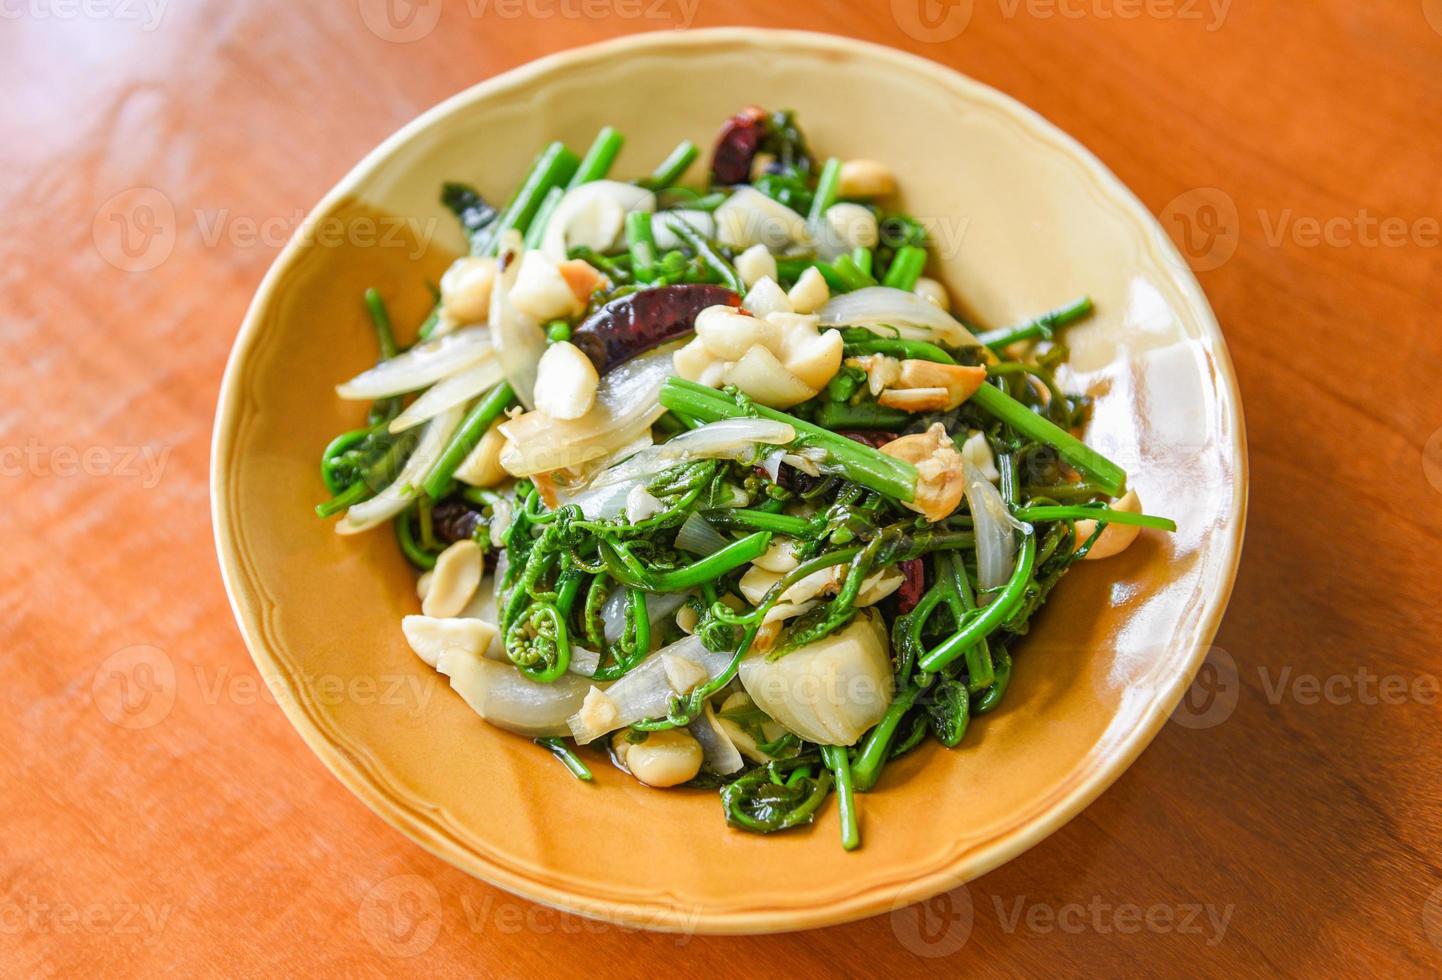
160, 812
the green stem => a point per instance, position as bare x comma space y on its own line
867, 415
471, 429
730, 278
1039, 328
566, 757
835, 758
711, 567
596, 164
993, 616
642, 244
671, 168
1104, 514
860, 464
906, 268
552, 168
826, 187
1106, 474
537, 229
760, 520
385, 336
866, 770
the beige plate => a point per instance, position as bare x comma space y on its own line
1024, 220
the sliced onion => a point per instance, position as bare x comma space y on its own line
601, 503
499, 694
659, 605
422, 365
626, 405
456, 390
395, 498
914, 317
586, 202
994, 527
645, 692
519, 339
583, 661
716, 746
749, 218
666, 239
727, 439
699, 537
772, 465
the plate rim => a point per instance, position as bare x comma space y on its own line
660, 916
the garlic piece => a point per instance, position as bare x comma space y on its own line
666, 758
566, 382
933, 292
482, 466
765, 298
940, 482
431, 637
454, 579
1115, 538
780, 557
754, 264
749, 218
865, 178
810, 292
763, 377
541, 291
811, 355
729, 335
466, 289
683, 674
854, 225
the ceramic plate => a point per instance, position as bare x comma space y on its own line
1025, 219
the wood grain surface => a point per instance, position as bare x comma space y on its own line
162, 816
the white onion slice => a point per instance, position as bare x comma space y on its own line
749, 217
394, 498
422, 365
666, 239
502, 696
716, 746
626, 405
658, 606
519, 339
697, 536
993, 523
914, 317
582, 205
727, 439
456, 390
646, 692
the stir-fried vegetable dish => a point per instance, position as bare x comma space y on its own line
708, 475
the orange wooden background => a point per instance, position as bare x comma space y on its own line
160, 813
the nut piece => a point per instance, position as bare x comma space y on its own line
1115, 538
466, 289
933, 292
755, 264
583, 278
430, 637
482, 467
566, 382
810, 292
666, 758
915, 399
454, 580
541, 291
854, 225
960, 381
940, 482
866, 178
